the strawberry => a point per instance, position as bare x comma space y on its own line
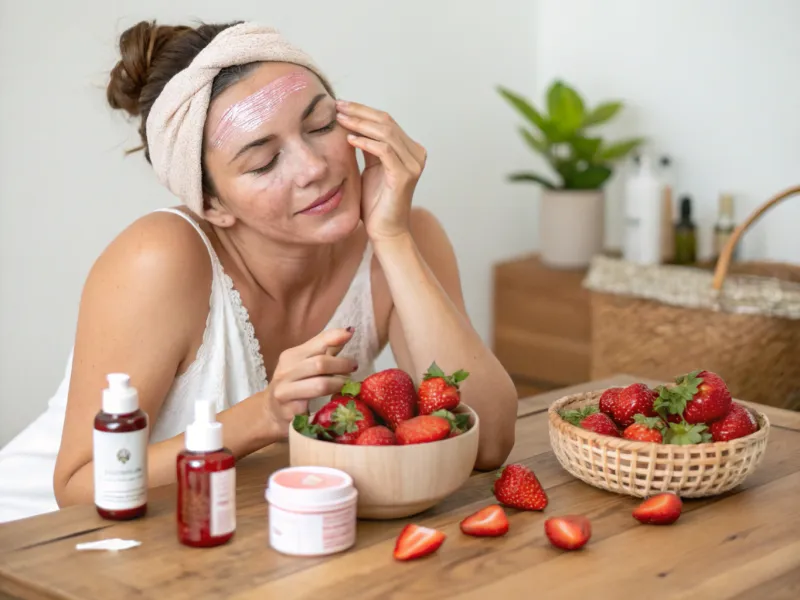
490, 521
698, 397
376, 436
634, 399
645, 429
570, 532
608, 399
661, 509
517, 486
415, 541
391, 394
439, 391
739, 422
346, 416
422, 429
348, 392
459, 422
590, 419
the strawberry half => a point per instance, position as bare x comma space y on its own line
661, 509
517, 486
570, 532
490, 521
739, 422
391, 394
422, 429
590, 419
377, 436
415, 541
439, 391
645, 429
635, 399
608, 399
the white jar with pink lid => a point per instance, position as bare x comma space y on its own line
312, 511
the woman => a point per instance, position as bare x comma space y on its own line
286, 273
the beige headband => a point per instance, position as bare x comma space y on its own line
178, 116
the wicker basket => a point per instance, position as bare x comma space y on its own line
741, 321
641, 469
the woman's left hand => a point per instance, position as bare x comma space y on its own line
393, 163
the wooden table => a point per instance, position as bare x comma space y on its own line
739, 545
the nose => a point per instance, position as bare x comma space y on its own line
310, 166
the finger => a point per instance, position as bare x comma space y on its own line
380, 149
308, 389
321, 364
383, 133
321, 343
367, 113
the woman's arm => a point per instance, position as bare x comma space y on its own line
143, 312
428, 321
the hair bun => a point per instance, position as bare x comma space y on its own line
139, 48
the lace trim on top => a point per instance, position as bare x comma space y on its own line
243, 318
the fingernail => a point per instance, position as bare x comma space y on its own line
351, 329
341, 103
342, 116
355, 368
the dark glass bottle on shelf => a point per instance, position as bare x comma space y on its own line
685, 235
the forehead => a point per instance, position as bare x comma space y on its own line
265, 79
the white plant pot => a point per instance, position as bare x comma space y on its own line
571, 227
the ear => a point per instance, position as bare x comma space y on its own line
216, 213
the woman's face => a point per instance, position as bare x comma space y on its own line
279, 162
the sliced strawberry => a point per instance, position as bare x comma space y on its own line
570, 532
661, 509
415, 541
422, 429
490, 521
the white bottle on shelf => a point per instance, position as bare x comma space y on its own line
643, 215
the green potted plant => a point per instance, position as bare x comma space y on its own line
572, 209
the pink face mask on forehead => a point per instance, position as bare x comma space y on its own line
249, 114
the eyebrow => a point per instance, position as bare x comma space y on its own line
267, 139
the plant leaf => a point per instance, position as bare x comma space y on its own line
601, 113
575, 416
590, 178
618, 149
534, 142
433, 371
585, 147
683, 434
565, 108
516, 177
351, 388
525, 108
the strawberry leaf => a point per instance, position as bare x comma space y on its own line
303, 426
345, 418
684, 434
433, 372
456, 378
351, 388
577, 415
649, 422
458, 423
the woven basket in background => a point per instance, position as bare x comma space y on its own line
741, 321
641, 469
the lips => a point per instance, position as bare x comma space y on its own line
324, 199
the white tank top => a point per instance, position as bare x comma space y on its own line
228, 368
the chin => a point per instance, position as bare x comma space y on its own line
338, 225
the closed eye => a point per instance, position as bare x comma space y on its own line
327, 128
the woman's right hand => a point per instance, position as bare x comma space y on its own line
303, 373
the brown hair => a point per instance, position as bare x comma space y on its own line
150, 55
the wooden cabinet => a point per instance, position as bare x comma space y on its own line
541, 329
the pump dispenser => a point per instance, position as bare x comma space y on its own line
206, 473
119, 447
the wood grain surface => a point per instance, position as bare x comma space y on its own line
742, 544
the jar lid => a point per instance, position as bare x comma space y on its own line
309, 486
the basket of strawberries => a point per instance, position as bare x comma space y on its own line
688, 437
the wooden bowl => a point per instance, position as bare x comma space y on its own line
395, 481
641, 469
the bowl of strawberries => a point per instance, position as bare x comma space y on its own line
406, 447
688, 437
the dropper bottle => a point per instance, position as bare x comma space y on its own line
206, 474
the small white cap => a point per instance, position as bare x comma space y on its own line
205, 434
119, 398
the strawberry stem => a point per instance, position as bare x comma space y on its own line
351, 388
434, 372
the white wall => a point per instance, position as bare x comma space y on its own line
714, 83
66, 189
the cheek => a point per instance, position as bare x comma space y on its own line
338, 152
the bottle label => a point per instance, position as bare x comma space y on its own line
120, 469
223, 502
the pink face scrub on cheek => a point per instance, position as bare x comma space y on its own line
249, 114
